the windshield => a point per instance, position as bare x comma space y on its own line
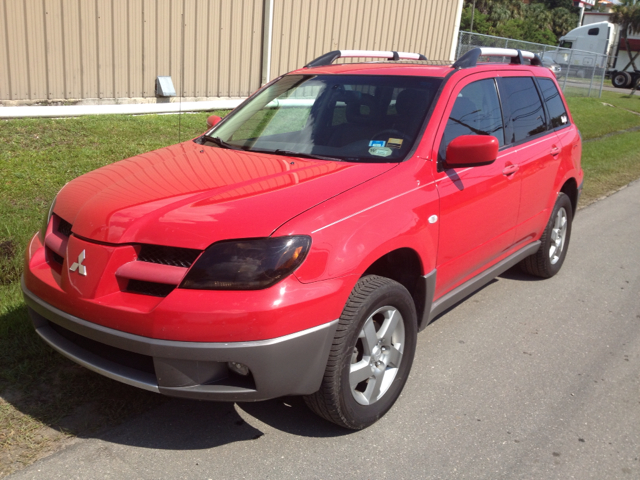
354, 118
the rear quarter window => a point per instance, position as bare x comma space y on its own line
555, 105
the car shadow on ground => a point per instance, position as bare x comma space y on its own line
194, 425
180, 424
516, 273
291, 415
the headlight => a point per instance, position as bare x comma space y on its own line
46, 220
250, 264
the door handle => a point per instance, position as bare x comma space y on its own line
510, 169
555, 150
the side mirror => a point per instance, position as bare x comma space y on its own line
213, 120
471, 151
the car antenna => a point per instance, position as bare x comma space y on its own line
181, 81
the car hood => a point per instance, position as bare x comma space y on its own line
190, 196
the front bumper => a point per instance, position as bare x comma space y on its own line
289, 365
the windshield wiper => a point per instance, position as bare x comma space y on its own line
289, 153
220, 143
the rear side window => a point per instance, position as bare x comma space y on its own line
593, 31
555, 105
476, 111
526, 115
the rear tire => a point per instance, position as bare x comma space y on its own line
548, 260
371, 355
621, 79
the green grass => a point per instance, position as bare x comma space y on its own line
622, 100
596, 119
609, 163
41, 393
39, 388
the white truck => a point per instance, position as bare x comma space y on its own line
600, 37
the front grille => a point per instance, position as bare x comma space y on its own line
64, 228
150, 288
126, 358
176, 257
55, 257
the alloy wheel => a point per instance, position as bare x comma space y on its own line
377, 355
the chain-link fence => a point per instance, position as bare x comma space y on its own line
579, 73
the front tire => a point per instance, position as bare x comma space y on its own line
371, 355
548, 260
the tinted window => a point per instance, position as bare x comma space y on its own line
593, 31
476, 111
555, 106
526, 112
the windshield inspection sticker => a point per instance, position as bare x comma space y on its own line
380, 151
394, 143
377, 143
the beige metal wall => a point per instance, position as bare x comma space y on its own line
114, 49
105, 49
305, 29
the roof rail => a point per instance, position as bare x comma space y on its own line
470, 59
329, 58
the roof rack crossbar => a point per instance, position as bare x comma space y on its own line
329, 58
470, 59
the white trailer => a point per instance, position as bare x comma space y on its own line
603, 38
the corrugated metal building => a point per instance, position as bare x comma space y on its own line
108, 51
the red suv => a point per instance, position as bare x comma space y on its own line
299, 245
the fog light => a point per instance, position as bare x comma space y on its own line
239, 368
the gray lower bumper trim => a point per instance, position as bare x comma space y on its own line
289, 365
93, 362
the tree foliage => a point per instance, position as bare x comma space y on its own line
553, 4
541, 21
562, 21
627, 15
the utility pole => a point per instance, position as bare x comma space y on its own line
590, 3
581, 14
473, 11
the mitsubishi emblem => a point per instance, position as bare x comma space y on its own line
82, 270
